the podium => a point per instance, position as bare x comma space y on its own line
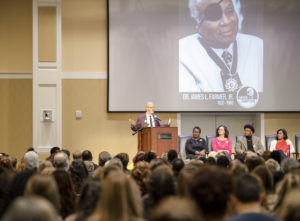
158, 139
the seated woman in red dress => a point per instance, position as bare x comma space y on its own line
221, 142
282, 143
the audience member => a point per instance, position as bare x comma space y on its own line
103, 158
211, 188
223, 161
161, 185
138, 157
78, 173
77, 155
31, 161
120, 200
66, 191
45, 164
150, 156
177, 165
172, 155
88, 200
44, 186
87, 156
176, 209
253, 161
61, 161
32, 208
141, 173
247, 198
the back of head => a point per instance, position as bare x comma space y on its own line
161, 183
115, 161
211, 187
272, 165
31, 160
120, 198
138, 157
247, 189
54, 150
253, 162
77, 155
177, 166
223, 161
290, 207
6, 162
141, 173
31, 208
61, 160
150, 156
287, 164
266, 177
157, 162
237, 168
89, 198
78, 173
45, 164
290, 182
123, 160
184, 179
211, 161
103, 157
44, 186
172, 155
87, 155
176, 209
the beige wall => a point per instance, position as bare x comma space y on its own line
97, 130
84, 44
288, 121
15, 116
16, 36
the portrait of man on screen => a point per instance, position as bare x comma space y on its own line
218, 58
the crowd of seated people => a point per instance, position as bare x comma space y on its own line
252, 184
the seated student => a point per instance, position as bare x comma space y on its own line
221, 142
246, 199
282, 143
249, 141
195, 145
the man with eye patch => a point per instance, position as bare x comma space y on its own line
218, 58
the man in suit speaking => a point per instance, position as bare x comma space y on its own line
149, 119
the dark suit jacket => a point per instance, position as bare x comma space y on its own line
241, 145
142, 122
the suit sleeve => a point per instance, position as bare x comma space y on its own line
138, 125
238, 146
260, 147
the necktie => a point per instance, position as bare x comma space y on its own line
151, 124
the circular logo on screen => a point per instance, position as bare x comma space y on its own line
247, 97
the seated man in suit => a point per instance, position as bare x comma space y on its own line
149, 119
249, 142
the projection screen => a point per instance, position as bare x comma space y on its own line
203, 55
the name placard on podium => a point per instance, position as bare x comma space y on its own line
158, 139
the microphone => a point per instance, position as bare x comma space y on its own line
156, 117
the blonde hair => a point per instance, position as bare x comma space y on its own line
120, 199
290, 182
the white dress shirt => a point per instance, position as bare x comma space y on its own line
148, 120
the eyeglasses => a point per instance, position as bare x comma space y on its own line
212, 12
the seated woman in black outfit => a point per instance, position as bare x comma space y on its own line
196, 145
